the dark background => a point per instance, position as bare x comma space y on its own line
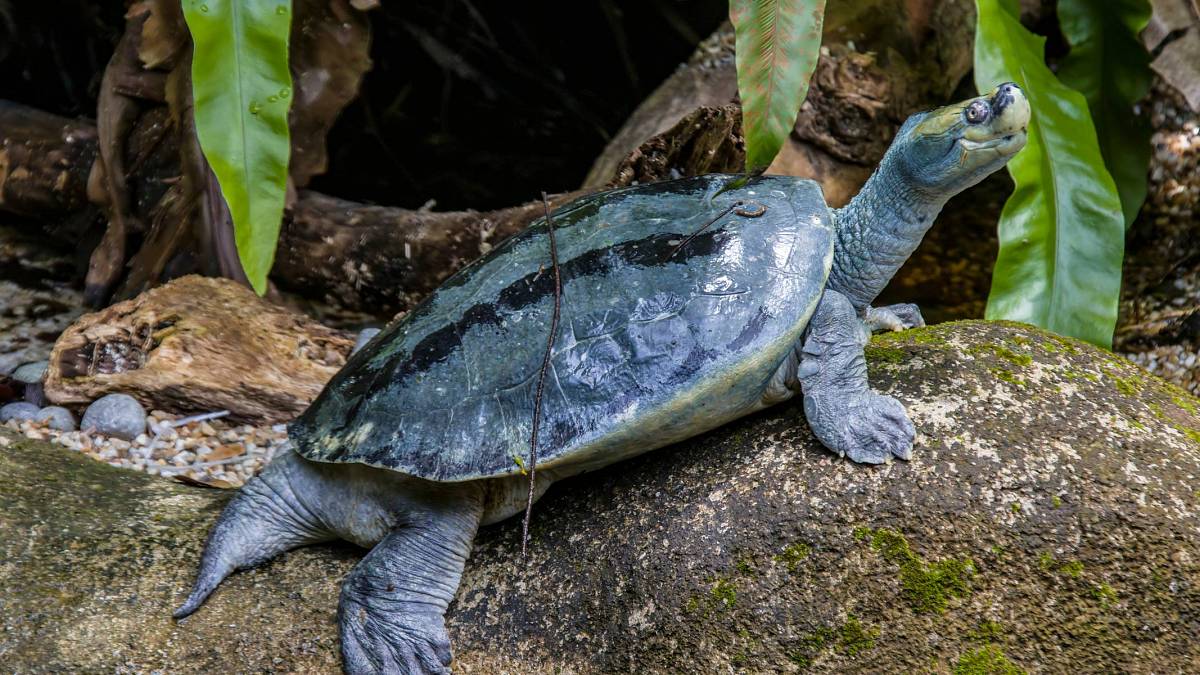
472, 104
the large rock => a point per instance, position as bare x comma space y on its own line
1050, 519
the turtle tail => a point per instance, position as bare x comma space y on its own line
263, 520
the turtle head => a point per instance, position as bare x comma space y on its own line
947, 150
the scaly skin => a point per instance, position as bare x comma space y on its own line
392, 606
876, 233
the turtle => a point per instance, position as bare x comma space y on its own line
684, 304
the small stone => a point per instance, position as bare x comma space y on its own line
57, 418
118, 415
225, 452
31, 373
364, 336
18, 411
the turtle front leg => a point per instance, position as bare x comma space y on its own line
893, 317
843, 412
393, 604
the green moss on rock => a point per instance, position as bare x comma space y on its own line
1008, 376
724, 593
1001, 352
792, 554
927, 336
1071, 568
851, 638
986, 660
988, 631
928, 587
1105, 594
878, 354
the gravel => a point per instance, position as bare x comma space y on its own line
1160, 307
118, 415
208, 451
37, 298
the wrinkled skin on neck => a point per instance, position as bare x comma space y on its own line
935, 155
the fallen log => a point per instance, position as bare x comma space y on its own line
1046, 522
381, 259
198, 344
44, 162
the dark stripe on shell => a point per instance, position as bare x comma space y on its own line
535, 287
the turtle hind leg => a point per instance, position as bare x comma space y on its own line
393, 603
263, 520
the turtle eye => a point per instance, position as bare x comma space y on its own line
977, 113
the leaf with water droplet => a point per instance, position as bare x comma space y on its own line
285, 92
241, 57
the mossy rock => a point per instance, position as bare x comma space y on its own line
736, 551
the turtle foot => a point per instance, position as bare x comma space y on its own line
867, 427
379, 636
894, 317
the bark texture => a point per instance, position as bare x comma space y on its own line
198, 344
383, 259
44, 162
1048, 520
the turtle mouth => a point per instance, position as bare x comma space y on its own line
1006, 145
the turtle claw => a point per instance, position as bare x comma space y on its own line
392, 641
870, 428
894, 317
878, 429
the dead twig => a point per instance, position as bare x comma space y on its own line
537, 401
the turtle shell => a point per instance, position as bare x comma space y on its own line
662, 335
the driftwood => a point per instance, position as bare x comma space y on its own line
1173, 36
198, 344
1046, 522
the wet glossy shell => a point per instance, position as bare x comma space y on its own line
658, 340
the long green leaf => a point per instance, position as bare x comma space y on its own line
241, 89
1109, 66
777, 44
1062, 230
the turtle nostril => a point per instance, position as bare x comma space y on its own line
1003, 97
